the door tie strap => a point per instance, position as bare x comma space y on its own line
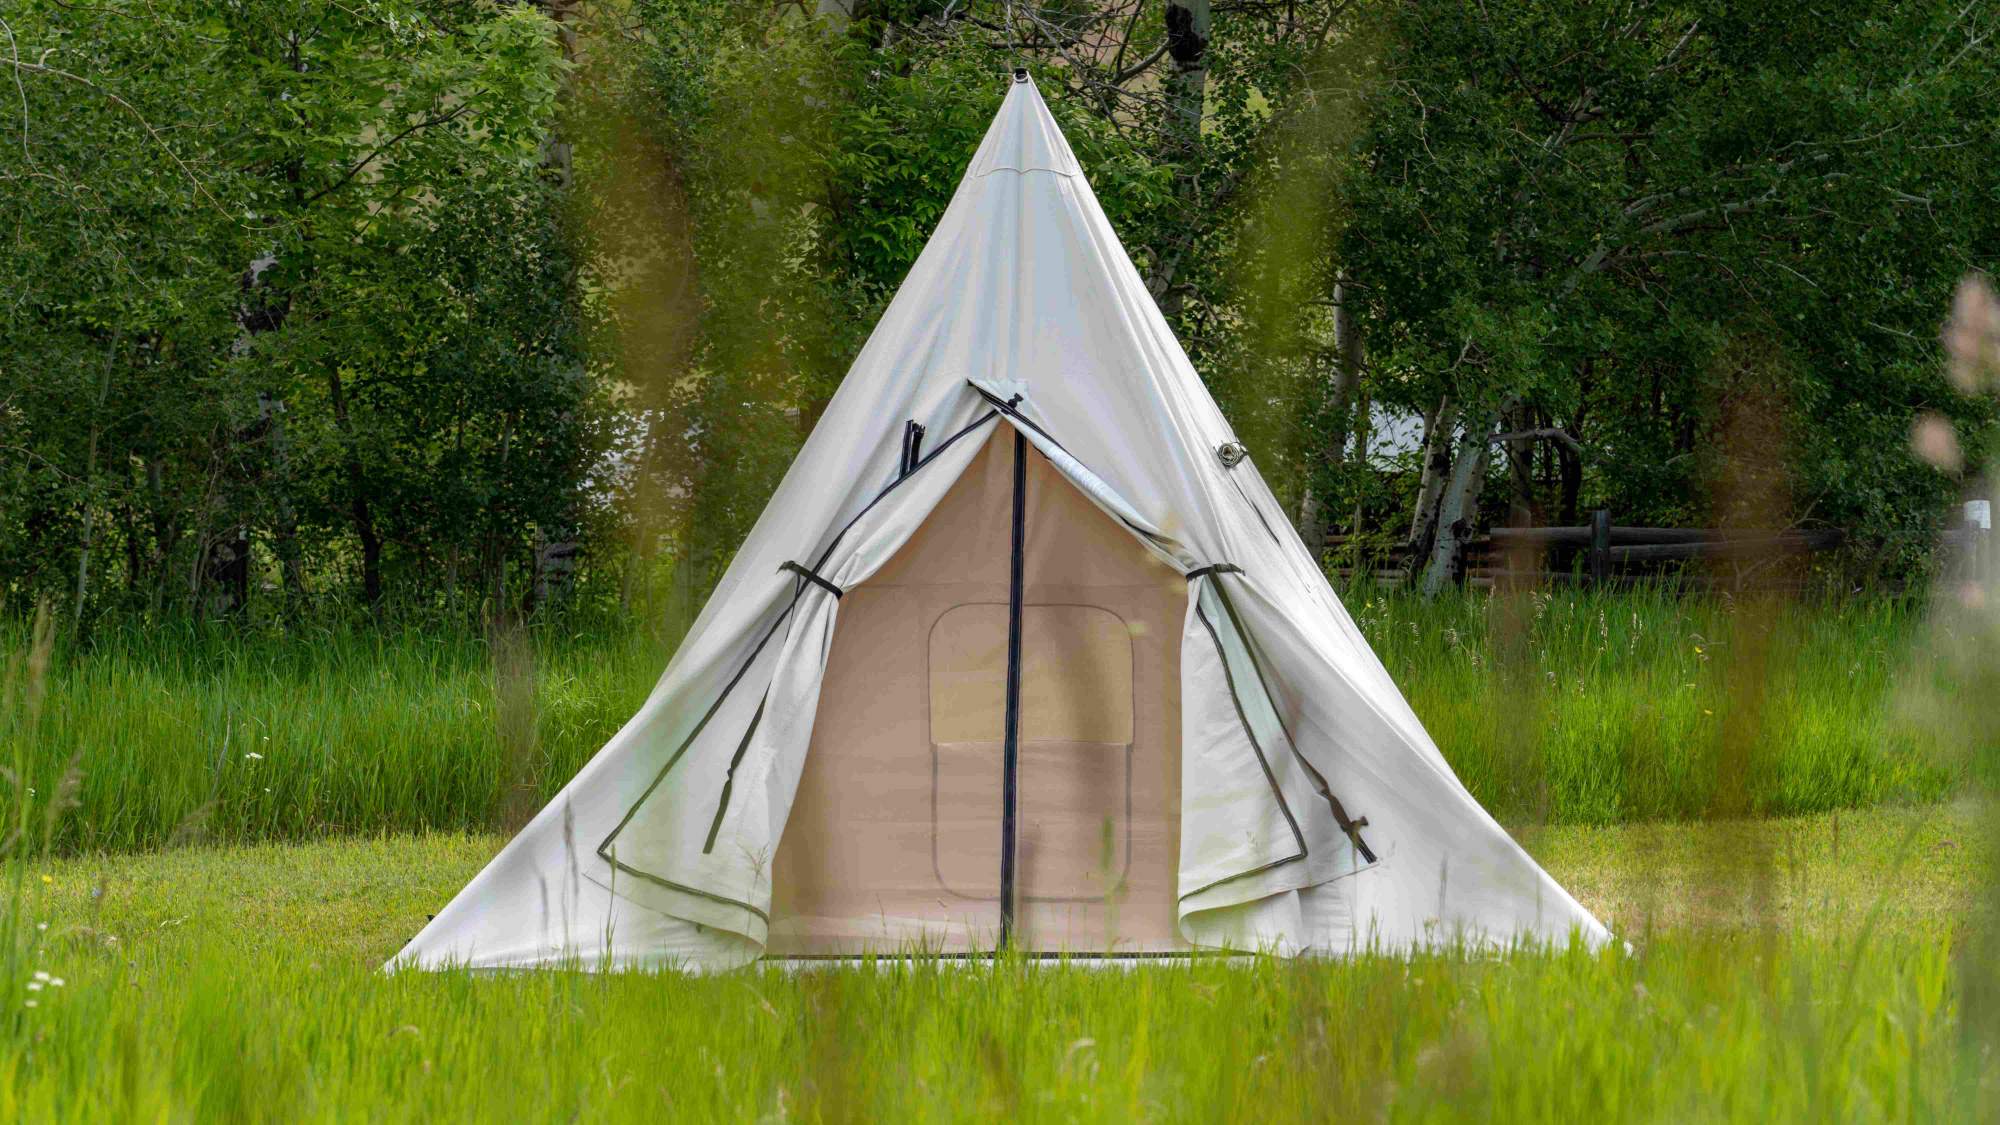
812, 577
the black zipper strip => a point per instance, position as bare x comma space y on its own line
683, 888
1351, 827
1011, 407
1010, 754
892, 485
729, 779
604, 849
1271, 866
1254, 509
1271, 779
1217, 568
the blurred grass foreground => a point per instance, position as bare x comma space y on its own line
239, 985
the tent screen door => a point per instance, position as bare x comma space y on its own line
895, 840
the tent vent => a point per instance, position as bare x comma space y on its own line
1020, 74
1231, 453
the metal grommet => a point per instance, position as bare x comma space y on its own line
1231, 453
1020, 74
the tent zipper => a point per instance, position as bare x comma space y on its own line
1010, 753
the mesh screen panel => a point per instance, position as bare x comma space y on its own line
894, 839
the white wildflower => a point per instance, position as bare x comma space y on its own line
40, 975
55, 982
253, 756
28, 1003
34, 986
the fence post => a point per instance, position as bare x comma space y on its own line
1600, 547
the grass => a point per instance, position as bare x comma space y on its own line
179, 733
1798, 969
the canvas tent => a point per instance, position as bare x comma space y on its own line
1022, 651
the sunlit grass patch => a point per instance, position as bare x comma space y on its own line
239, 984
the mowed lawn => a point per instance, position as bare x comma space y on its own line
1819, 968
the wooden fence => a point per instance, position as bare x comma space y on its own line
1604, 553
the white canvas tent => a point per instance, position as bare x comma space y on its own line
1023, 651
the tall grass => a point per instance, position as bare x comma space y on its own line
1558, 707
1579, 707
1693, 1031
215, 985
186, 733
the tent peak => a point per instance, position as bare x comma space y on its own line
1024, 136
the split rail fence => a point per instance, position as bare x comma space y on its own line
1605, 553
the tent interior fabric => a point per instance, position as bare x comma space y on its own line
894, 836
1022, 652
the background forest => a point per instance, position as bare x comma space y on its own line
443, 306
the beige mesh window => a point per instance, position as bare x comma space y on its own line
1076, 742
894, 840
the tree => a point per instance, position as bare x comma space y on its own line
242, 231
1579, 216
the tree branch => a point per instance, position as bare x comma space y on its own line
1545, 433
38, 68
355, 169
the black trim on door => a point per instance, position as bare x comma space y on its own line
1229, 681
604, 849
1349, 826
1010, 747
685, 889
729, 778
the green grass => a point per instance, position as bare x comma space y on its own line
1601, 709
1604, 709
184, 734
1799, 969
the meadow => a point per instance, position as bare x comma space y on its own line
1794, 969
1564, 708
218, 836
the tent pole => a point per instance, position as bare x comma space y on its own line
1010, 754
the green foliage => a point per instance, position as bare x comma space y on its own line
289, 277
307, 303
1694, 236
